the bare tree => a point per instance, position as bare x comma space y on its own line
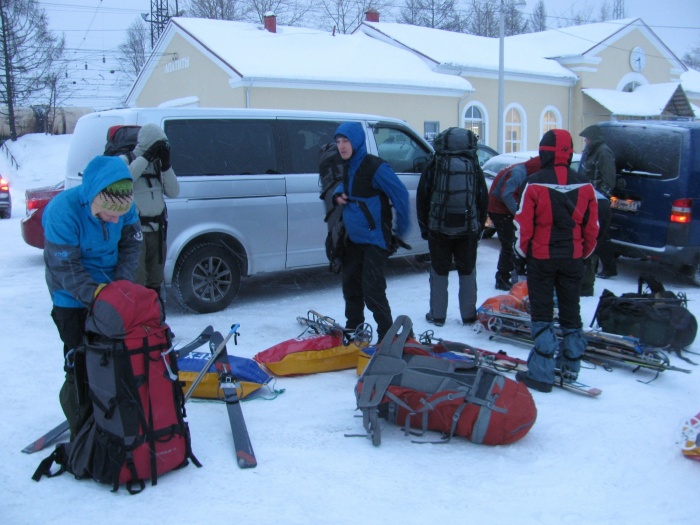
346, 15
538, 18
28, 51
134, 50
515, 22
438, 14
218, 9
692, 58
287, 12
483, 18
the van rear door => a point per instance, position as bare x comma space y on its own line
648, 161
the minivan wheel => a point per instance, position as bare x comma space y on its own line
206, 278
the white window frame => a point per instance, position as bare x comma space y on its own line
523, 129
557, 118
484, 120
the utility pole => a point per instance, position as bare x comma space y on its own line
159, 18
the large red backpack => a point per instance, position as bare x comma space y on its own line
405, 385
137, 430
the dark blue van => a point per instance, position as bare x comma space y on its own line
656, 201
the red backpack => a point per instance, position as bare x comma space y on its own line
404, 384
137, 429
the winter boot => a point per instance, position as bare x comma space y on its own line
503, 282
572, 348
438, 298
540, 362
467, 297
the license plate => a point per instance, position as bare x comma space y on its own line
624, 205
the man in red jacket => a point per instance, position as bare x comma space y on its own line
556, 229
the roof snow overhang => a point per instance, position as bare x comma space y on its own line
653, 100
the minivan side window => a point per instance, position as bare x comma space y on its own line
399, 149
222, 146
300, 142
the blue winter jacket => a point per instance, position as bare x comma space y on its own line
384, 180
82, 251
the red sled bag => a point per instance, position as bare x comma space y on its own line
405, 385
137, 430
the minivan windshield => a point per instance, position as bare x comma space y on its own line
639, 151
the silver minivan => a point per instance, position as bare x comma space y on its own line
249, 189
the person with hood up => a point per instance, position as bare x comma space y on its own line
154, 178
556, 229
92, 237
504, 199
369, 189
598, 165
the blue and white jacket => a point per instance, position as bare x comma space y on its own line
82, 251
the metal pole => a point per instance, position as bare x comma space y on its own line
501, 138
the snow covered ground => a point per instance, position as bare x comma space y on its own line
610, 460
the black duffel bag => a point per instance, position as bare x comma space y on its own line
654, 315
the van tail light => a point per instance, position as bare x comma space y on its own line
682, 211
4, 184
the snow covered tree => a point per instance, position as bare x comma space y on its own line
346, 15
287, 12
692, 58
28, 53
437, 14
218, 9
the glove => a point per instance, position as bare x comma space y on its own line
164, 156
396, 243
424, 235
154, 149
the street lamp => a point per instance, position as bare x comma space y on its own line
501, 143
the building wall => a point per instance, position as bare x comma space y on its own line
530, 98
183, 71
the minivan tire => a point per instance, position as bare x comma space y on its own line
207, 278
696, 274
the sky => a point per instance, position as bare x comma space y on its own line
610, 460
95, 28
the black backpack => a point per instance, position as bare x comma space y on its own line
455, 185
331, 169
654, 315
121, 140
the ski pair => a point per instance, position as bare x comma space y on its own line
502, 362
55, 433
323, 324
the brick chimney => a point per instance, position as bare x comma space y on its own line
372, 15
270, 21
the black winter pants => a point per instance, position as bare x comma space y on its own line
447, 248
544, 277
364, 284
73, 395
503, 223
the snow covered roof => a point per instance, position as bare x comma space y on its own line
467, 52
690, 80
303, 55
646, 101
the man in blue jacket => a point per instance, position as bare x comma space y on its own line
368, 190
92, 237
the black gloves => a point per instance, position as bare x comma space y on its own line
424, 235
396, 243
155, 150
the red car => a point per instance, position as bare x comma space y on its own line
37, 199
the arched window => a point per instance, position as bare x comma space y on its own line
514, 136
550, 119
474, 120
631, 86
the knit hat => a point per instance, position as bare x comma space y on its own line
115, 198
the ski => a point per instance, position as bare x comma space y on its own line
323, 324
47, 439
229, 383
195, 343
216, 347
52, 435
502, 362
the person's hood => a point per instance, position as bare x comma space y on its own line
593, 133
355, 133
100, 173
557, 150
148, 134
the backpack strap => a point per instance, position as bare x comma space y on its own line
58, 456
